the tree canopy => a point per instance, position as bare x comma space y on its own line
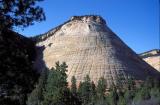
19, 13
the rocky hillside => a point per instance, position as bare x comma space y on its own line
88, 46
152, 57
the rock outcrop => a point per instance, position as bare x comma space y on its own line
152, 57
88, 46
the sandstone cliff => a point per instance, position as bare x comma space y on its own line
88, 46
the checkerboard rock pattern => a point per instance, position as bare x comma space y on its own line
89, 47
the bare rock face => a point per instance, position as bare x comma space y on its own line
88, 46
152, 57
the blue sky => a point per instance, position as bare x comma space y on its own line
136, 22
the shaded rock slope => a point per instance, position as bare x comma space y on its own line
152, 57
88, 46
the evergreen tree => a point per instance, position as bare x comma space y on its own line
156, 83
145, 93
128, 95
101, 88
19, 13
155, 92
36, 96
56, 91
122, 101
75, 100
49, 93
131, 83
62, 69
85, 91
93, 93
79, 88
113, 96
130, 90
73, 86
149, 83
142, 94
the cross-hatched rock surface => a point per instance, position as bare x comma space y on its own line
88, 46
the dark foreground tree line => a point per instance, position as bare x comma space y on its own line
17, 53
17, 76
53, 89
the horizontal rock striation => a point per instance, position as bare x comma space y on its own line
88, 46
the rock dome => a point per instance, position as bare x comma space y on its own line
88, 46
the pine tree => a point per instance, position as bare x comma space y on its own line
73, 86
131, 83
122, 101
156, 83
101, 88
93, 93
79, 90
129, 92
145, 93
50, 91
19, 13
36, 96
155, 92
149, 83
56, 91
142, 94
113, 96
128, 95
85, 91
75, 100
